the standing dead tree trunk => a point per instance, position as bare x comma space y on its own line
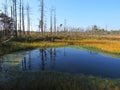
20, 17
42, 17
4, 33
28, 20
23, 23
55, 21
51, 25
64, 27
15, 18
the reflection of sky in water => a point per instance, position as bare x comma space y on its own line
69, 60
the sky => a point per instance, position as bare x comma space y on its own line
78, 13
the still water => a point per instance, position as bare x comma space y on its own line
63, 59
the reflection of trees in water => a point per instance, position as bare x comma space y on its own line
1, 63
45, 53
92, 53
24, 64
27, 65
29, 61
43, 56
52, 58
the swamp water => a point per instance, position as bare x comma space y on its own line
62, 59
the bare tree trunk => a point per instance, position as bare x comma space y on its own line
15, 18
11, 34
64, 26
28, 19
11, 12
16, 34
23, 23
51, 24
55, 21
45, 26
5, 19
42, 17
20, 16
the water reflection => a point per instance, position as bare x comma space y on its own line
10, 62
1, 63
92, 53
48, 55
63, 59
39, 59
29, 62
43, 58
24, 64
52, 58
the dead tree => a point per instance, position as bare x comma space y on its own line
64, 26
20, 17
5, 19
15, 17
12, 22
11, 12
42, 17
28, 19
54, 21
51, 24
23, 23
15, 3
45, 25
5, 7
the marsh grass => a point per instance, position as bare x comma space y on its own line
19, 46
108, 46
56, 81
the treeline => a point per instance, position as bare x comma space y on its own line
12, 24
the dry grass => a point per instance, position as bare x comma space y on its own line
43, 44
111, 46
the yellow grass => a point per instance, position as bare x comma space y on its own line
43, 44
111, 46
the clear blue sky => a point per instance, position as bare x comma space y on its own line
79, 13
